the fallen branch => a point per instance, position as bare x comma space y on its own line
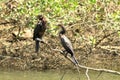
87, 74
104, 37
63, 76
81, 66
89, 68
4, 58
4, 23
111, 49
103, 70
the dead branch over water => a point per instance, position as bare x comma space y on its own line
88, 68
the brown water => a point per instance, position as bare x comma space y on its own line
54, 75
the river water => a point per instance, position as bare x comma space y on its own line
55, 75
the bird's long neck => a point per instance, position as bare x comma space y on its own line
63, 31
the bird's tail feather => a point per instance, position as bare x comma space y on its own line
37, 46
74, 60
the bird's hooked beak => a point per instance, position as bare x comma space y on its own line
62, 29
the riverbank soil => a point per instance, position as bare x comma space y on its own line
17, 52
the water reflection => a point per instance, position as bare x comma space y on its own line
54, 75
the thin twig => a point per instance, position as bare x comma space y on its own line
87, 74
63, 75
104, 37
104, 70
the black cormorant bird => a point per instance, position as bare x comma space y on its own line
66, 44
39, 31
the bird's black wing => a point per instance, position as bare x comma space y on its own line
68, 47
36, 31
67, 44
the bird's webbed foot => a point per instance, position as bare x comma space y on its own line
65, 53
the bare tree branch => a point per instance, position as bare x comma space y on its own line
81, 66
63, 75
104, 37
104, 70
87, 74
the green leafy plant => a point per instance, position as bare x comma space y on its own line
92, 40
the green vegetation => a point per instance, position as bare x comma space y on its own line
92, 13
26, 11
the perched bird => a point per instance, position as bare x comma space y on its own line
39, 31
66, 44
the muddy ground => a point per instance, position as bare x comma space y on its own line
18, 52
